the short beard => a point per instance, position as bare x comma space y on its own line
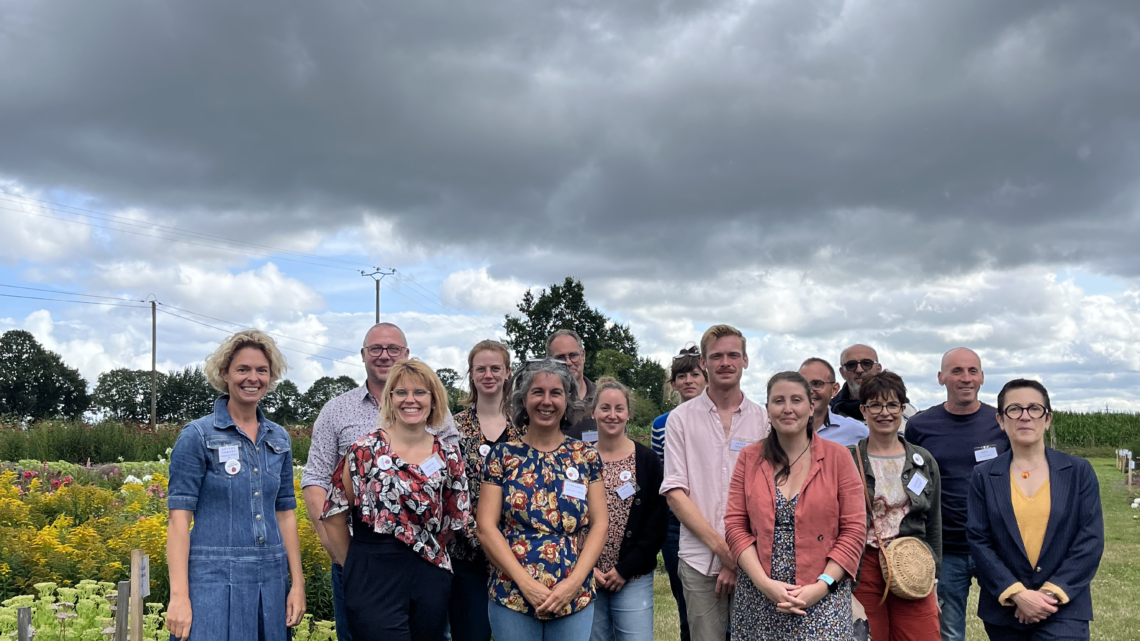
854, 387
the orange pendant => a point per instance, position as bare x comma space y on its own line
1025, 475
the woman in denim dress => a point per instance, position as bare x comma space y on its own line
231, 473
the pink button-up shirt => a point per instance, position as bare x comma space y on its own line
700, 459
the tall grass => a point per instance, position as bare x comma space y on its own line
104, 442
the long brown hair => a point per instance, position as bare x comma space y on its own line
773, 452
500, 349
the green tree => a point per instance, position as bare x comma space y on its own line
35, 383
124, 394
455, 396
564, 307
644, 377
183, 395
323, 390
285, 405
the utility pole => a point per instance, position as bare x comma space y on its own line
153, 365
379, 271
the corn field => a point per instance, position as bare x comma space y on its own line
1097, 430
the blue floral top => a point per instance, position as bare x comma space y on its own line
542, 525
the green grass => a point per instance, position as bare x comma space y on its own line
1114, 601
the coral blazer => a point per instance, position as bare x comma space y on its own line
831, 514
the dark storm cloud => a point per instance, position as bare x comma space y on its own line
913, 137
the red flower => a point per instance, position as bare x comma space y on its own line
55, 485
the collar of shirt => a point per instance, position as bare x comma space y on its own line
223, 420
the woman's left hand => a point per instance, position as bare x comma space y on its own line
295, 605
560, 596
613, 581
809, 594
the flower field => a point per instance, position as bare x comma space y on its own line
67, 531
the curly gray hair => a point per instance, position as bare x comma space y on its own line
524, 378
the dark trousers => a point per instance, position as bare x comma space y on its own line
1048, 630
391, 593
468, 607
338, 604
669, 553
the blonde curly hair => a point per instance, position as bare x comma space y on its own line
218, 363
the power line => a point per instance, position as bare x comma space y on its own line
55, 291
229, 331
81, 302
222, 320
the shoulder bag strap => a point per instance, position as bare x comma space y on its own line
871, 516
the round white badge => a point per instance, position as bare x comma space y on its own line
625, 475
484, 449
384, 462
917, 458
233, 466
572, 473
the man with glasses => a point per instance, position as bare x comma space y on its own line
565, 345
855, 363
826, 423
959, 434
342, 421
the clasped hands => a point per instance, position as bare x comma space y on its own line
793, 599
1034, 606
548, 601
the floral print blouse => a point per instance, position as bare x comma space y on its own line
616, 474
474, 447
396, 497
541, 524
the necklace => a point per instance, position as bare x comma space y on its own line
1025, 473
793, 463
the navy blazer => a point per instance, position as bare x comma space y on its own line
1074, 537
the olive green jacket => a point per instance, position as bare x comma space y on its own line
923, 519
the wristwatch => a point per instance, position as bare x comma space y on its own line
832, 585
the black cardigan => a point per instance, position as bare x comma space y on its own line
648, 517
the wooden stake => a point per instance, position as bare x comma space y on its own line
136, 606
122, 607
24, 624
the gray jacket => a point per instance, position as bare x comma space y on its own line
924, 518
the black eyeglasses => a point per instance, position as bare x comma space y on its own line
1014, 412
877, 408
378, 350
569, 357
866, 364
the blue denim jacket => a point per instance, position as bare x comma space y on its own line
236, 510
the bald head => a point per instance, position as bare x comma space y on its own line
856, 363
961, 374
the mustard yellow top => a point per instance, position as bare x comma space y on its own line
1032, 513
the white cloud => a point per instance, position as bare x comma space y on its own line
476, 289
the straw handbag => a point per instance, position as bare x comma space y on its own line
907, 562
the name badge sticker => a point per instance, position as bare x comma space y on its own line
917, 483
229, 453
985, 453
739, 445
484, 450
590, 437
574, 490
626, 491
431, 466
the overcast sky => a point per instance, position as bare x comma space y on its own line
912, 175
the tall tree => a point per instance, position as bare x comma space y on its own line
323, 390
285, 405
35, 383
451, 379
183, 395
564, 307
124, 394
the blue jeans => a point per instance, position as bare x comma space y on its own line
953, 590
509, 625
669, 554
626, 615
339, 614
